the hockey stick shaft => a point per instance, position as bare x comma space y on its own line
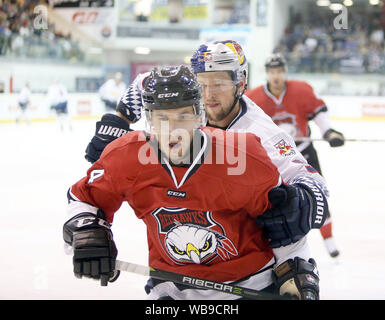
306, 139
195, 282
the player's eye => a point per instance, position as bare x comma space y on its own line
160, 117
186, 116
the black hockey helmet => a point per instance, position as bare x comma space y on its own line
276, 60
171, 88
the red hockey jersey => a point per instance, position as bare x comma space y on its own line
200, 218
292, 109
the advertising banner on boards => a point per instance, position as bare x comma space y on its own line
96, 18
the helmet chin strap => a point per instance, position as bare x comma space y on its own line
237, 97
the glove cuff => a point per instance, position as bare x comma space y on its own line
82, 221
319, 209
298, 278
335, 138
327, 133
111, 120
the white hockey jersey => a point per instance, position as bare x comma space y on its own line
279, 145
112, 91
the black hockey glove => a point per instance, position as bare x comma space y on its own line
335, 138
109, 128
298, 278
297, 209
94, 248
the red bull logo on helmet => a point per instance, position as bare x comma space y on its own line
237, 49
205, 56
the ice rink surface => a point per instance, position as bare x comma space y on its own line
39, 163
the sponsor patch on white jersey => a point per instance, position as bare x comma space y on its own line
284, 148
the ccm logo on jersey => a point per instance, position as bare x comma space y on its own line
176, 194
168, 95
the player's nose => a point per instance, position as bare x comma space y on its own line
210, 92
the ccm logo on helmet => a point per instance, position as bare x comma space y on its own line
168, 95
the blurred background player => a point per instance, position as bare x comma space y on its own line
111, 91
24, 101
292, 104
58, 100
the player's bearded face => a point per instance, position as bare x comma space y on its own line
174, 129
276, 77
218, 94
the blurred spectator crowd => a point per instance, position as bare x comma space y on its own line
21, 36
315, 45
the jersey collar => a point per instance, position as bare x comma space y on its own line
277, 101
197, 159
241, 113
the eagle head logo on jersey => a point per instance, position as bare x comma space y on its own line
192, 236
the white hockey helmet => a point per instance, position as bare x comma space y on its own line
221, 56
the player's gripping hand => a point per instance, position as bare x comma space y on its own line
335, 138
94, 248
297, 209
297, 278
109, 128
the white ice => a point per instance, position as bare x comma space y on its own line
39, 162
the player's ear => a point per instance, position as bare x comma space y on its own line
242, 86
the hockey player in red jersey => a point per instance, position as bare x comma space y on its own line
221, 68
292, 104
199, 207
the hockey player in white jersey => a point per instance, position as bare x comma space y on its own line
111, 91
57, 97
221, 69
24, 100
